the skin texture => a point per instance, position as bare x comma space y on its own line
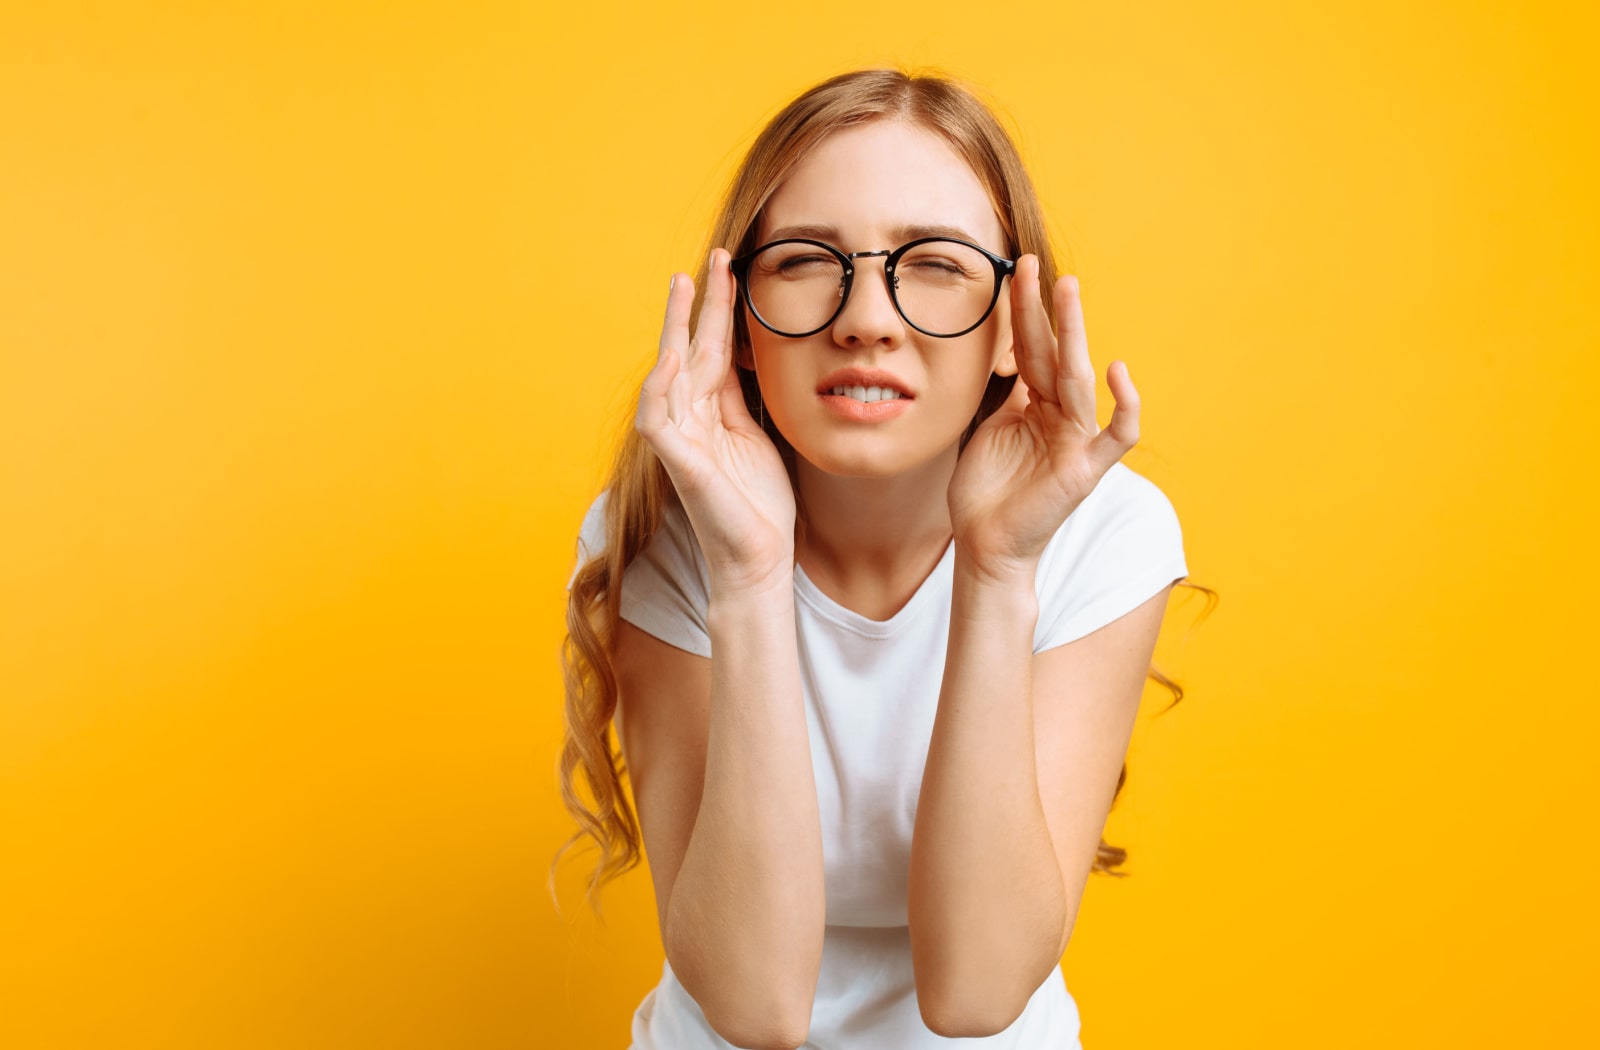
1025, 749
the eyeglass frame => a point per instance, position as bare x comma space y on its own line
1003, 268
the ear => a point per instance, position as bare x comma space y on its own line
1007, 365
1006, 336
744, 356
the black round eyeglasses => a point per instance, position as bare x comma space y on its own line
940, 286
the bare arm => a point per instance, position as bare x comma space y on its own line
1020, 776
721, 765
985, 897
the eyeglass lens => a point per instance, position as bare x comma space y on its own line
942, 287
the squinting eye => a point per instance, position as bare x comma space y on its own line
799, 261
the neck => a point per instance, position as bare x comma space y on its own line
875, 528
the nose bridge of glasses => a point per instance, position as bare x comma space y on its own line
888, 265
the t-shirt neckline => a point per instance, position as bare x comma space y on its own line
807, 591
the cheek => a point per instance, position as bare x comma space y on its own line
764, 351
780, 371
986, 354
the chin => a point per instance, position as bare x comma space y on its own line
862, 460
857, 469
845, 462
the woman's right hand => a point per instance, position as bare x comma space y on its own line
727, 472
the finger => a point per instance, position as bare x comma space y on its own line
1030, 326
709, 351
655, 413
675, 338
680, 396
740, 413
1122, 433
663, 396
675, 328
1075, 380
733, 308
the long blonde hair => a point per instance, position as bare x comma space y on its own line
640, 490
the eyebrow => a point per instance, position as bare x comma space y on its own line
901, 234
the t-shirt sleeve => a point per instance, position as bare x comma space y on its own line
666, 590
1117, 549
591, 535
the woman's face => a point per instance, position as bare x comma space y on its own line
869, 188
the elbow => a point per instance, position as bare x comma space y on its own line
969, 1021
981, 989
769, 1031
969, 1005
753, 999
749, 1014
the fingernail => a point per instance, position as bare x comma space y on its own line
672, 284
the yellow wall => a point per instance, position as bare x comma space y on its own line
317, 321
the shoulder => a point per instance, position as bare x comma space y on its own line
666, 589
666, 586
1124, 500
592, 533
674, 539
1120, 546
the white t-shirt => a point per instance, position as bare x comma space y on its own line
871, 690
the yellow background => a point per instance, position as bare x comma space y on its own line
318, 321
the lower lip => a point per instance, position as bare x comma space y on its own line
865, 411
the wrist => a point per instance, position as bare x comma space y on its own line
755, 590
1002, 590
995, 574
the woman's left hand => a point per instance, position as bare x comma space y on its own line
1031, 463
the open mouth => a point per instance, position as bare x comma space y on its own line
866, 394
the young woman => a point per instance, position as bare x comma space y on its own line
869, 597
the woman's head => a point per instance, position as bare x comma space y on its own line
854, 118
934, 328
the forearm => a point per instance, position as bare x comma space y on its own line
746, 917
985, 897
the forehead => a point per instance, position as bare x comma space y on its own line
871, 181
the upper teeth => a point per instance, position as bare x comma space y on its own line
867, 393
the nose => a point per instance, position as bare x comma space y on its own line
869, 317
